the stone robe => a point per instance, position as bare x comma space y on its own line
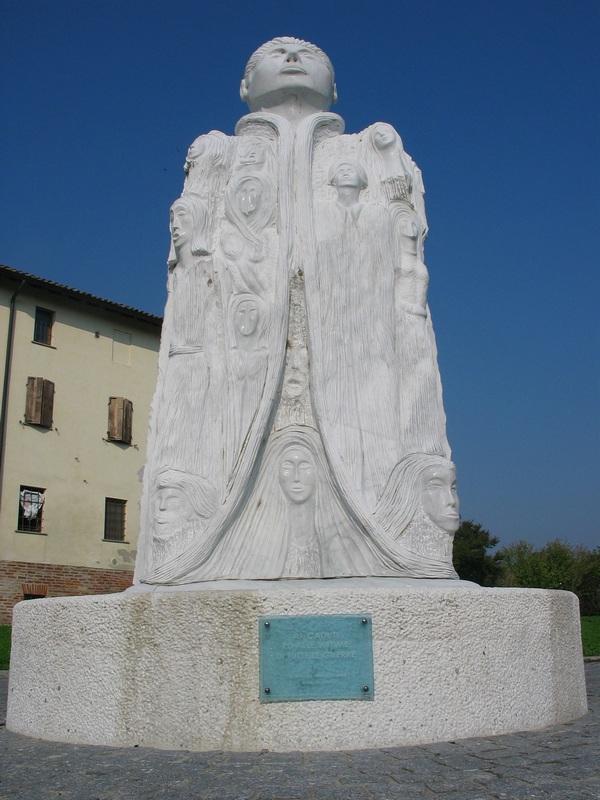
276, 225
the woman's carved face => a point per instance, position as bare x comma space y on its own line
246, 317
384, 136
297, 475
181, 224
171, 510
439, 497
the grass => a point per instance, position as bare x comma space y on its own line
4, 646
590, 634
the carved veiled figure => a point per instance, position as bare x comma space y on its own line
297, 341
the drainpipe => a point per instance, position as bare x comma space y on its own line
7, 364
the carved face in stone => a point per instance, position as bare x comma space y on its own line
171, 511
246, 317
408, 221
348, 174
439, 497
384, 136
297, 474
296, 372
252, 153
182, 223
249, 195
288, 67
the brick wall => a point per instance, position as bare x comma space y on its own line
54, 580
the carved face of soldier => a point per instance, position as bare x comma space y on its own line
246, 317
181, 224
286, 70
297, 476
171, 511
439, 497
384, 136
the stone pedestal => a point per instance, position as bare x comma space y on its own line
180, 668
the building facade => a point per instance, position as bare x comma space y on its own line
78, 374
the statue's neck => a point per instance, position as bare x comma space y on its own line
348, 195
294, 108
301, 519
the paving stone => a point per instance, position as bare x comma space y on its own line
560, 763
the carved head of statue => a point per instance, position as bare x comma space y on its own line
408, 219
180, 499
384, 137
188, 222
247, 313
297, 473
347, 174
438, 495
252, 153
420, 482
288, 67
211, 146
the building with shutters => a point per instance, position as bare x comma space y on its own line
78, 374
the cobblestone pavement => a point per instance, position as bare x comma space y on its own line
562, 763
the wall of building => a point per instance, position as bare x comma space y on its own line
89, 361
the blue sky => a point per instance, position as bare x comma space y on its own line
497, 102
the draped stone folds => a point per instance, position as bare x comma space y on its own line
298, 365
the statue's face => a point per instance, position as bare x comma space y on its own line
181, 224
285, 70
246, 317
297, 476
296, 373
439, 497
252, 153
197, 148
249, 195
347, 175
384, 136
170, 511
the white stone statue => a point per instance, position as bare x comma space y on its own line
297, 429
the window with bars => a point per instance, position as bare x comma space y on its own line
114, 519
42, 329
31, 506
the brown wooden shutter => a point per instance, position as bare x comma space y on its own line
120, 419
33, 401
127, 420
47, 403
39, 402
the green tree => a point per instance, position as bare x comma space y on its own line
471, 558
557, 565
